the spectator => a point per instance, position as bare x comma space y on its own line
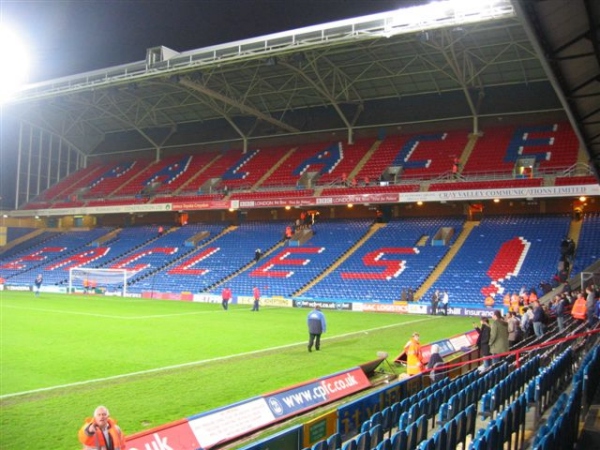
483, 341
225, 297
579, 310
514, 329
559, 312
498, 334
161, 230
435, 361
101, 432
435, 298
445, 301
256, 295
257, 254
590, 305
539, 318
288, 233
316, 326
410, 295
38, 284
414, 357
526, 325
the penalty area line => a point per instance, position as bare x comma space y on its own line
195, 363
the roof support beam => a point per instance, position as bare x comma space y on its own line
197, 87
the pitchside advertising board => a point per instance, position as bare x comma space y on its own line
225, 424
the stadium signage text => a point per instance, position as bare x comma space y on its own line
222, 425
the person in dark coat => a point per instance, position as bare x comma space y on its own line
316, 326
483, 341
435, 361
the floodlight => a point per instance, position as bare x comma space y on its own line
16, 63
446, 13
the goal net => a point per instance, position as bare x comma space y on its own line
111, 280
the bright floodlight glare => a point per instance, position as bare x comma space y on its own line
15, 64
447, 13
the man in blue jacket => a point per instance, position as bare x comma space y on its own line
316, 327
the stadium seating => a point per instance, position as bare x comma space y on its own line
398, 256
501, 255
587, 251
554, 147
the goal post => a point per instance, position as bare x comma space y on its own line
114, 280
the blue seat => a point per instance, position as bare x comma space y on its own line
422, 428
413, 435
350, 445
450, 428
403, 421
376, 419
486, 405
375, 435
427, 444
363, 441
461, 428
366, 426
386, 444
440, 439
414, 412
443, 413
334, 442
400, 440
321, 445
492, 435
386, 419
470, 425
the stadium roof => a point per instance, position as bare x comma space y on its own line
533, 58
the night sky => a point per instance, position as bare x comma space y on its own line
70, 37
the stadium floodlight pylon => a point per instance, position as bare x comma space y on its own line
111, 279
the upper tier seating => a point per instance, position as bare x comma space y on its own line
349, 157
426, 155
159, 172
69, 185
181, 171
554, 147
310, 157
250, 167
114, 176
216, 170
569, 181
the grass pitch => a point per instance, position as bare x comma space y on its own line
152, 362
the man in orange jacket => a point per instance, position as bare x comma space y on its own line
101, 432
414, 357
579, 310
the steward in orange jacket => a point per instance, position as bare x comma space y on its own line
414, 357
96, 430
579, 309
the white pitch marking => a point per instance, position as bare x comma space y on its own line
197, 363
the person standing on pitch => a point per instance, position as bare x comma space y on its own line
225, 297
256, 294
38, 284
101, 432
316, 326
